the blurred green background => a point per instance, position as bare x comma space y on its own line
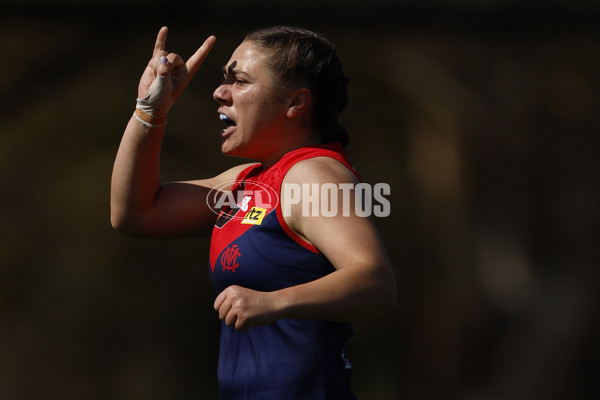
483, 116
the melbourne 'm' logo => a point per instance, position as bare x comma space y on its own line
229, 258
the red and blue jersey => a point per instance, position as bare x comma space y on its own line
253, 247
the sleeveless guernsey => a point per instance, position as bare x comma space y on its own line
253, 247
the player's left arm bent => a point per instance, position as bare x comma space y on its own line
362, 284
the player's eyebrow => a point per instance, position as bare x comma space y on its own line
232, 71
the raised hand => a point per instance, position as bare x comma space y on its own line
167, 75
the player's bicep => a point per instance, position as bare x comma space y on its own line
345, 239
185, 208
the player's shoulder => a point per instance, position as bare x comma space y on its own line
320, 169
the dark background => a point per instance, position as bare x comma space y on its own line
483, 116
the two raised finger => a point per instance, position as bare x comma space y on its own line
160, 56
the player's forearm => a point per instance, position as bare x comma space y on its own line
136, 176
352, 293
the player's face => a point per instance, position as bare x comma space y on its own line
253, 116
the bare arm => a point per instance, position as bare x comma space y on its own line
140, 204
362, 284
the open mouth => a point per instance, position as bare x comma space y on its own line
229, 123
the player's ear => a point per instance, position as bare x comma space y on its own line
299, 103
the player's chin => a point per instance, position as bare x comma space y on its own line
236, 148
229, 148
